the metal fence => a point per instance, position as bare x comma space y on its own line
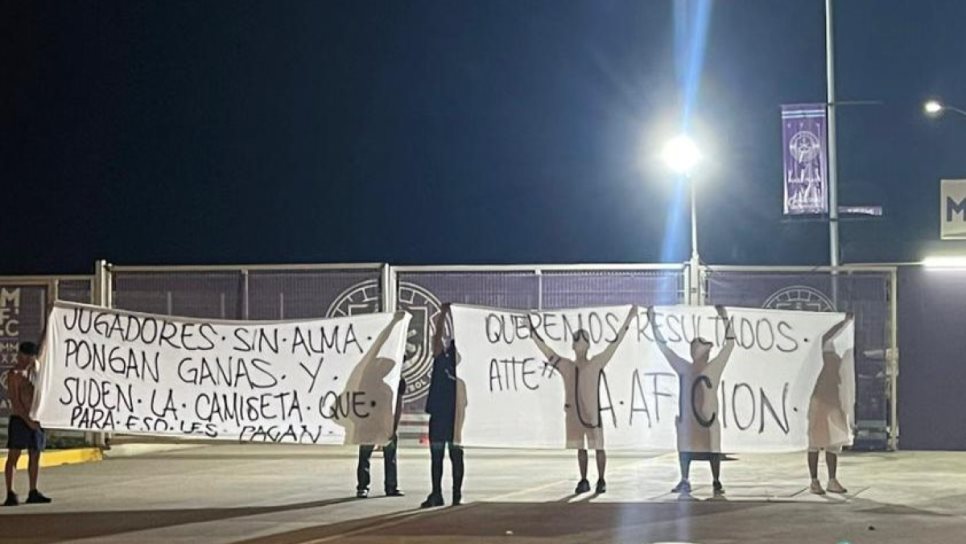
868, 292
310, 291
24, 305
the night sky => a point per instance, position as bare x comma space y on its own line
462, 131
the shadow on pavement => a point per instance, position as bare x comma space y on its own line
16, 525
577, 521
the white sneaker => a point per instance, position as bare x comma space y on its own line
816, 488
835, 487
683, 486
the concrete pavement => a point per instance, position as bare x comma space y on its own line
283, 494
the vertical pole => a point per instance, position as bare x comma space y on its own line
539, 274
833, 182
694, 268
387, 285
892, 360
102, 297
245, 294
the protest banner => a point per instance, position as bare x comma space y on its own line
326, 381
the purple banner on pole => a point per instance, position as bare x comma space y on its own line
805, 149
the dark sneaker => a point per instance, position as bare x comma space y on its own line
583, 486
718, 489
432, 501
362, 493
11, 499
36, 497
683, 486
395, 493
601, 486
457, 498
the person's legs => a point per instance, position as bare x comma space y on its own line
437, 450
684, 460
362, 470
716, 474
389, 464
601, 457
11, 469
814, 486
813, 464
583, 485
456, 457
832, 460
33, 469
582, 463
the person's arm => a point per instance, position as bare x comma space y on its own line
677, 363
440, 325
383, 337
400, 391
729, 344
834, 331
547, 351
608, 353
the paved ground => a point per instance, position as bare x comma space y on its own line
289, 495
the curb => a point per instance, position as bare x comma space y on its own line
53, 458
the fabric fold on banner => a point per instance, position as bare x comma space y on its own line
805, 159
324, 381
685, 378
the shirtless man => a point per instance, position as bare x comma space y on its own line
699, 437
828, 426
581, 376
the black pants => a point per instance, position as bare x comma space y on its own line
389, 461
437, 450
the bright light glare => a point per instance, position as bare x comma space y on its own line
945, 262
681, 154
932, 107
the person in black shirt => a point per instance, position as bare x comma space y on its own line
445, 406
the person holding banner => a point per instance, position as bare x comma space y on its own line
369, 376
828, 425
446, 406
23, 433
582, 405
698, 427
391, 484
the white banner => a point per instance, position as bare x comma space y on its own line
756, 385
326, 381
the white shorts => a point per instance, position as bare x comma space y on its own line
834, 449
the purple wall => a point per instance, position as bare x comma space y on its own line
932, 359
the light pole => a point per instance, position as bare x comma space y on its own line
935, 108
833, 173
680, 155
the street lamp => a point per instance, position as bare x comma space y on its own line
681, 155
935, 108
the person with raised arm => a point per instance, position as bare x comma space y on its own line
445, 405
698, 427
828, 424
23, 433
581, 377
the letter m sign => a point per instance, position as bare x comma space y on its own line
952, 212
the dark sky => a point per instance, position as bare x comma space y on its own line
453, 131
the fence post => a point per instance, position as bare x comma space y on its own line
892, 362
387, 284
102, 295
